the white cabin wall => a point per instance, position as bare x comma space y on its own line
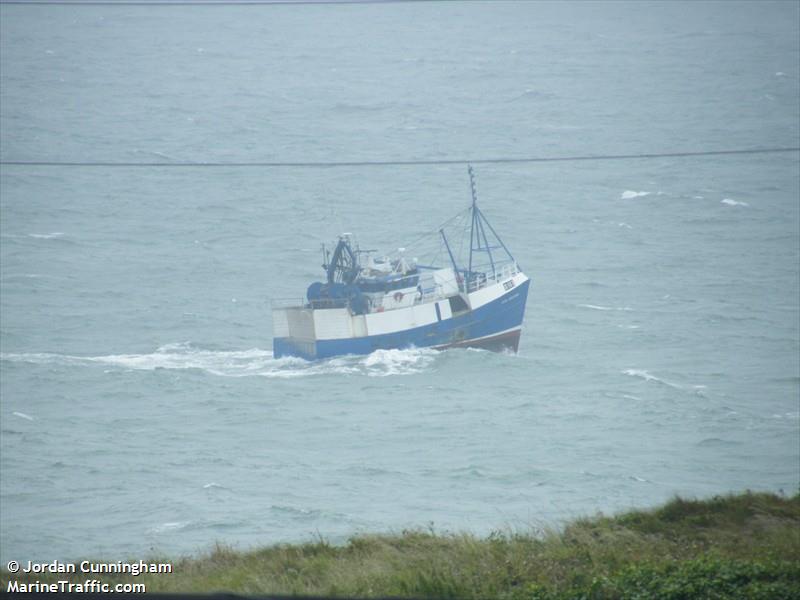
423, 314
391, 321
301, 323
332, 324
280, 323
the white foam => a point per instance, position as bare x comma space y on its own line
171, 526
628, 194
597, 307
244, 363
731, 202
23, 416
398, 362
183, 356
46, 236
171, 356
641, 373
380, 363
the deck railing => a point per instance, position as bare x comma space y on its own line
287, 303
302, 303
481, 280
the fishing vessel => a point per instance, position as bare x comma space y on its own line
367, 303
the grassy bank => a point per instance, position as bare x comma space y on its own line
737, 546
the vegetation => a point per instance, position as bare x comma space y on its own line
737, 546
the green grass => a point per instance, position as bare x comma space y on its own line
736, 546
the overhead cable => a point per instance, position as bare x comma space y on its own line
386, 163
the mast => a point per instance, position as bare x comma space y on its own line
479, 240
472, 224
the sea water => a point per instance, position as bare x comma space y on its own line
142, 411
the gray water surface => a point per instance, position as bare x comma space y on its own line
142, 410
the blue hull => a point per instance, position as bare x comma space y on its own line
491, 326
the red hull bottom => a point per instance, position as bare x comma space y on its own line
496, 343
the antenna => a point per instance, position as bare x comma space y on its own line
472, 185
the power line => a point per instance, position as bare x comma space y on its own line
387, 163
211, 2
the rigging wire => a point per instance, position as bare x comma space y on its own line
392, 163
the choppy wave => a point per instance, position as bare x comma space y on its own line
46, 236
293, 511
20, 276
214, 486
598, 307
641, 373
242, 363
714, 441
731, 202
531, 94
629, 194
170, 526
